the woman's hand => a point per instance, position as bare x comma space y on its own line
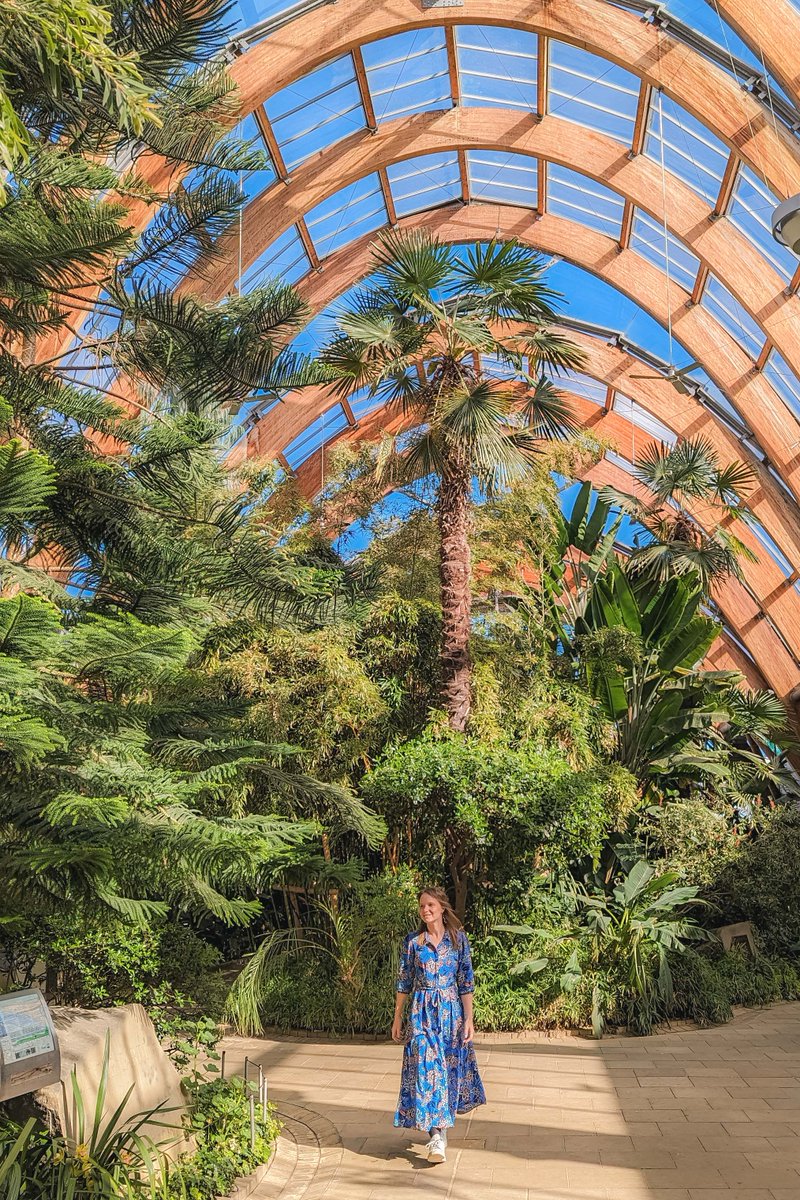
397, 1029
468, 1031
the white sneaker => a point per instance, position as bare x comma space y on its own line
437, 1149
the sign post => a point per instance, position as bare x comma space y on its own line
29, 1053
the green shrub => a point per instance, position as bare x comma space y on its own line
489, 813
696, 840
762, 882
101, 963
708, 985
219, 1121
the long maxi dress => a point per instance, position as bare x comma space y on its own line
440, 1072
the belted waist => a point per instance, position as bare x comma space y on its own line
434, 987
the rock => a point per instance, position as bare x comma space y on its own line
135, 1058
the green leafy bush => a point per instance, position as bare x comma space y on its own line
219, 1121
762, 882
708, 986
101, 962
490, 812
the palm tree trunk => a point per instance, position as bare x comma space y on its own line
453, 512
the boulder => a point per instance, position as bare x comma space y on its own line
135, 1057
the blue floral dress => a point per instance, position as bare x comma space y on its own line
440, 1073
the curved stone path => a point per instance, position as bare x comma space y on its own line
684, 1115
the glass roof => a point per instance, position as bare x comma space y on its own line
505, 178
592, 91
424, 182
500, 66
497, 66
570, 194
408, 73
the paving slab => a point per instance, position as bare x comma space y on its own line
682, 1115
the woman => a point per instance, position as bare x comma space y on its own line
440, 1073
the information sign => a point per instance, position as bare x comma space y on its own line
29, 1055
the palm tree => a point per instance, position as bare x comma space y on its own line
418, 334
677, 543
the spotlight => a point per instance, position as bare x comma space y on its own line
786, 223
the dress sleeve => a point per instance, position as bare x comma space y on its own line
405, 976
465, 977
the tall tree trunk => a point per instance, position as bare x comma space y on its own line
454, 573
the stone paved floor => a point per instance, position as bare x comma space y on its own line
690, 1115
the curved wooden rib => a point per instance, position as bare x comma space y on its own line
731, 257
685, 416
700, 333
704, 89
772, 29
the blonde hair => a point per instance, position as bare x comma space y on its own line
449, 918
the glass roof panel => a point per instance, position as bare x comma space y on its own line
592, 91
784, 381
691, 151
658, 245
363, 402
643, 418
346, 215
317, 110
730, 314
750, 210
320, 431
507, 178
255, 182
284, 259
617, 460
492, 365
424, 182
497, 66
770, 545
581, 385
587, 295
408, 73
572, 195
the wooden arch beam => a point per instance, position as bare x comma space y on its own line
728, 365
721, 248
772, 29
618, 370
700, 86
659, 60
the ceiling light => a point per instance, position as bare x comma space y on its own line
786, 223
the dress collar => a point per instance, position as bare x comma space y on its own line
424, 940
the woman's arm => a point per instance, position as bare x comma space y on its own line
397, 1023
465, 979
404, 985
468, 1031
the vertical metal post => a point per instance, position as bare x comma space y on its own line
222, 1066
263, 1094
252, 1121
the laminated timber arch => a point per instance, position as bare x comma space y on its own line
627, 271
739, 605
772, 30
660, 61
721, 248
718, 245
324, 33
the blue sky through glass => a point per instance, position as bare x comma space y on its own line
408, 73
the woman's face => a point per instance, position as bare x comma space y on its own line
430, 909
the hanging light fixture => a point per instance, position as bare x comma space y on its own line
786, 223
